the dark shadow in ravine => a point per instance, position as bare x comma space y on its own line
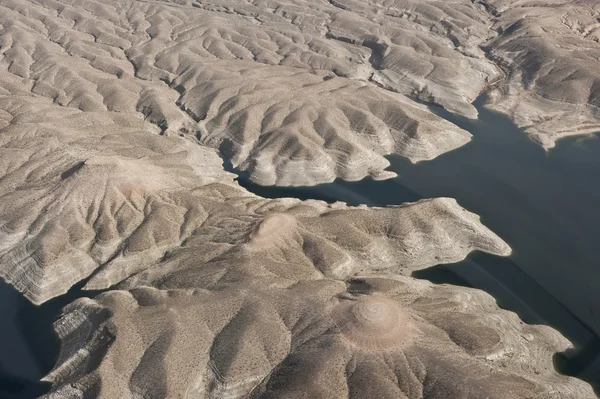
546, 205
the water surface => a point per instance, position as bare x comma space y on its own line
29, 347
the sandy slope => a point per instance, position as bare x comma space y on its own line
551, 51
278, 97
112, 117
374, 337
83, 193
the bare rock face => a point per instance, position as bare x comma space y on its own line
98, 184
287, 130
426, 49
73, 201
551, 50
299, 93
366, 337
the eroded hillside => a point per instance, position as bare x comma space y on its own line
115, 116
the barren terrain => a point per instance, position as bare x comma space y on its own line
115, 118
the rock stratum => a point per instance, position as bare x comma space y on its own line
115, 118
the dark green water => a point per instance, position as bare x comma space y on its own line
545, 205
28, 346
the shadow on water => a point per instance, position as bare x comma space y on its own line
546, 205
350, 192
517, 292
28, 345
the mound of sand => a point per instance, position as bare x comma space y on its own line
363, 338
373, 323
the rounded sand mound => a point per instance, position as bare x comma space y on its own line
272, 230
373, 322
368, 337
